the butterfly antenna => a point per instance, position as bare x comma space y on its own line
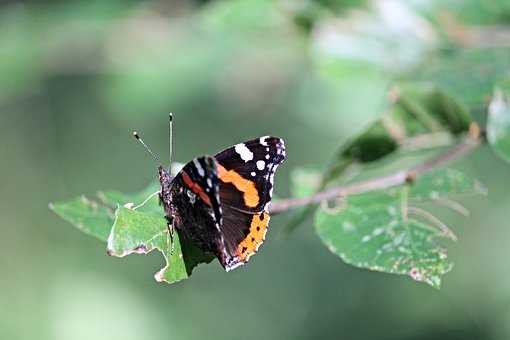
138, 138
170, 138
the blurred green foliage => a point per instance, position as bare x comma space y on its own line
498, 126
77, 77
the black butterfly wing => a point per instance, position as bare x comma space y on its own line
221, 203
243, 234
247, 172
246, 180
196, 206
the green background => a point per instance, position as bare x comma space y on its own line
76, 78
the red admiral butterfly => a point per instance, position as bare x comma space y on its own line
221, 203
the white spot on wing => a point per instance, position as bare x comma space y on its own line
199, 168
192, 196
261, 165
263, 140
233, 266
253, 174
209, 182
244, 152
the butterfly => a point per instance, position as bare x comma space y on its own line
221, 203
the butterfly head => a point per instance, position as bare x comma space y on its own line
165, 195
165, 179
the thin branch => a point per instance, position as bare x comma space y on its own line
427, 141
468, 144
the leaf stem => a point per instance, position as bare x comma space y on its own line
469, 143
434, 220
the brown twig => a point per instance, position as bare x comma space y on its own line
427, 141
469, 143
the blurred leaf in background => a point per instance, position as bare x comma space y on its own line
498, 129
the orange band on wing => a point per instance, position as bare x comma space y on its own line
247, 187
254, 239
196, 188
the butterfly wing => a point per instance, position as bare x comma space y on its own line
196, 206
246, 180
221, 203
246, 172
243, 234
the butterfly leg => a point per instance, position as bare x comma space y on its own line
171, 229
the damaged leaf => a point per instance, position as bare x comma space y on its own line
385, 231
141, 233
87, 215
133, 224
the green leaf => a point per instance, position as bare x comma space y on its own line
486, 66
443, 184
498, 125
150, 201
419, 108
244, 17
373, 144
139, 227
433, 108
384, 231
141, 233
389, 35
88, 216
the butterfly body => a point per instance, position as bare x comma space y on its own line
221, 203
